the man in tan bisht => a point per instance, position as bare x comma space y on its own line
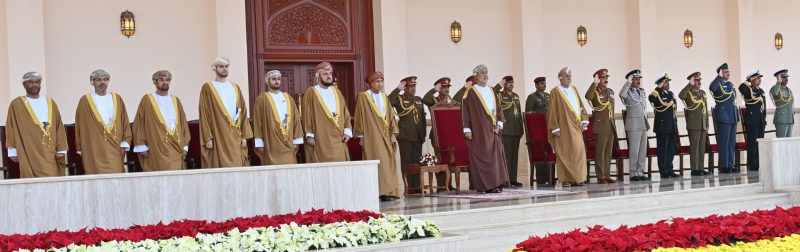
566, 120
223, 121
325, 119
276, 124
483, 120
376, 128
35, 134
160, 131
102, 128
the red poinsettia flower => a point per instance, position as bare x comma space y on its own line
677, 232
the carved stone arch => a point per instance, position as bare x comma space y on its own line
308, 24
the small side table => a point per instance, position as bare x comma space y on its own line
431, 171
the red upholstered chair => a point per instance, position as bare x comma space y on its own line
10, 169
589, 141
741, 146
354, 147
651, 152
681, 149
251, 149
356, 151
74, 161
738, 148
617, 154
452, 149
132, 158
711, 149
743, 111
193, 156
539, 149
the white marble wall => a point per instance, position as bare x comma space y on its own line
122, 200
779, 158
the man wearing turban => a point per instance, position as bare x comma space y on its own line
482, 118
35, 134
160, 130
102, 128
223, 121
566, 120
276, 124
376, 128
325, 119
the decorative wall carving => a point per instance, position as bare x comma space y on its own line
338, 6
307, 25
276, 5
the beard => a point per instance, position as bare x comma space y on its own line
327, 83
275, 86
33, 91
163, 88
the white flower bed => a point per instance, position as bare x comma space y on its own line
288, 237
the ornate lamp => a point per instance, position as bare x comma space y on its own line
582, 36
127, 23
688, 38
455, 32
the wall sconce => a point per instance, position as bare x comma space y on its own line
582, 36
688, 38
127, 23
455, 32
778, 41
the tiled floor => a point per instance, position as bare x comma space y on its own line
414, 204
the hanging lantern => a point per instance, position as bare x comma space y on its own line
778, 41
688, 38
582, 36
455, 32
127, 23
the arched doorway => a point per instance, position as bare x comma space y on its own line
294, 35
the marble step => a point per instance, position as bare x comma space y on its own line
501, 236
546, 210
446, 243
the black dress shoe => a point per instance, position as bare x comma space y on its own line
725, 170
705, 173
675, 175
496, 190
515, 184
636, 178
697, 173
645, 178
385, 198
